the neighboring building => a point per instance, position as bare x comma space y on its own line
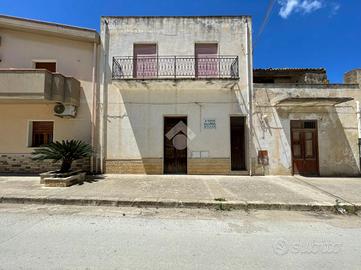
164, 77
294, 75
45, 69
303, 125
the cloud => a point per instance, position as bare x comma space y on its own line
334, 9
298, 6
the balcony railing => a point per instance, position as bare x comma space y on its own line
177, 67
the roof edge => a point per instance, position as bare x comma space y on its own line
290, 69
57, 29
179, 16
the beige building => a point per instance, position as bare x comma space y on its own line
47, 86
304, 124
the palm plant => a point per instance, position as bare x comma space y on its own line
66, 151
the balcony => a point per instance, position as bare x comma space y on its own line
175, 67
38, 85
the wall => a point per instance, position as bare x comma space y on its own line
135, 108
74, 58
337, 128
353, 76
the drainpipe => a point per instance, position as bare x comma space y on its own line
93, 117
250, 94
103, 100
358, 113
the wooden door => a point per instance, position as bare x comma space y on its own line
145, 61
175, 145
238, 160
304, 147
206, 60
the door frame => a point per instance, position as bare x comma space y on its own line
316, 148
163, 138
246, 142
134, 57
195, 53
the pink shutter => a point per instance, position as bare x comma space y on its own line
206, 60
145, 60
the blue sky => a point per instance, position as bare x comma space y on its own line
299, 33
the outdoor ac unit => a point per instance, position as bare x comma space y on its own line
65, 111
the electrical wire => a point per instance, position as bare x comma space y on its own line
266, 19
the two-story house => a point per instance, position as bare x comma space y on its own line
47, 90
176, 94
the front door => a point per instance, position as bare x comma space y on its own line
175, 145
238, 160
304, 147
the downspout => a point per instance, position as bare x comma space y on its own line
93, 120
358, 113
103, 102
250, 94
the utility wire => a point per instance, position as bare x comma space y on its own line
266, 19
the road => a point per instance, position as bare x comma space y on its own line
69, 237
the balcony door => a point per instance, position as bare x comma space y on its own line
145, 61
206, 62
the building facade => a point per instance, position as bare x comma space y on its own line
176, 94
47, 79
170, 95
162, 71
304, 124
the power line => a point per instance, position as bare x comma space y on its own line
265, 21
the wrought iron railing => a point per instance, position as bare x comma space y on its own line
149, 67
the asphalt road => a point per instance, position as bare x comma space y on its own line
65, 237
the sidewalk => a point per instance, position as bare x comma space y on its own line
221, 192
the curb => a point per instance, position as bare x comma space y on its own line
227, 205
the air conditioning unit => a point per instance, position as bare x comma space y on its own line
65, 111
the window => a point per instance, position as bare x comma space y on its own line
50, 66
207, 61
145, 63
41, 133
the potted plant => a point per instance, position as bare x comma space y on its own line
65, 151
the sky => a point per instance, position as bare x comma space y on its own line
286, 33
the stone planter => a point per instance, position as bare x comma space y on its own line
56, 179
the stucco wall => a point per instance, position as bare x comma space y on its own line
337, 128
73, 58
136, 109
136, 113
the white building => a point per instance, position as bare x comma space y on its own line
162, 72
